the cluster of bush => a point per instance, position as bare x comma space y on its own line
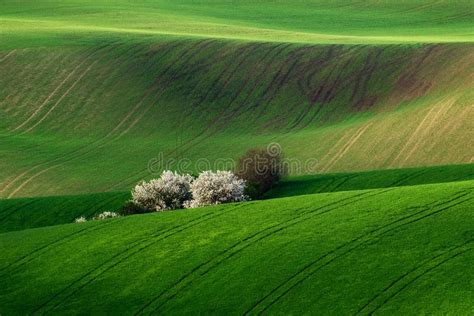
257, 171
174, 191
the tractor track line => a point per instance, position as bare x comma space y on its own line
62, 97
276, 84
410, 176
8, 184
272, 82
47, 162
166, 83
137, 247
344, 181
25, 259
53, 93
440, 113
222, 114
348, 146
132, 246
413, 135
140, 173
72, 155
450, 127
248, 242
407, 274
185, 144
300, 273
341, 140
409, 283
252, 89
13, 209
220, 119
315, 98
7, 55
195, 269
279, 84
225, 116
277, 50
420, 276
23, 98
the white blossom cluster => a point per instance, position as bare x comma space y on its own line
216, 188
101, 216
81, 219
168, 192
105, 215
173, 191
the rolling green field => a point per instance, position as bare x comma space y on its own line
25, 213
43, 22
370, 101
405, 250
69, 111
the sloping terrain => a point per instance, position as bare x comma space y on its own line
49, 22
67, 112
370, 101
351, 85
404, 250
25, 213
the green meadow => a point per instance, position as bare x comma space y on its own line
404, 250
370, 101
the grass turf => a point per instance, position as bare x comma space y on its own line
404, 250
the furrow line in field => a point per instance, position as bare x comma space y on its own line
74, 84
311, 268
221, 119
53, 93
13, 209
132, 249
72, 155
347, 146
25, 259
7, 55
159, 92
424, 268
28, 75
420, 138
200, 270
139, 174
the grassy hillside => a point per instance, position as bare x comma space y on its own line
70, 111
399, 250
311, 184
46, 22
86, 84
24, 213
98, 95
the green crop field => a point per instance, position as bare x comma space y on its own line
404, 250
371, 102
24, 213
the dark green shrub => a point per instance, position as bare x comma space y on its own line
262, 168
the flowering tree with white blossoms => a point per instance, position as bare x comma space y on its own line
168, 192
216, 188
105, 215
